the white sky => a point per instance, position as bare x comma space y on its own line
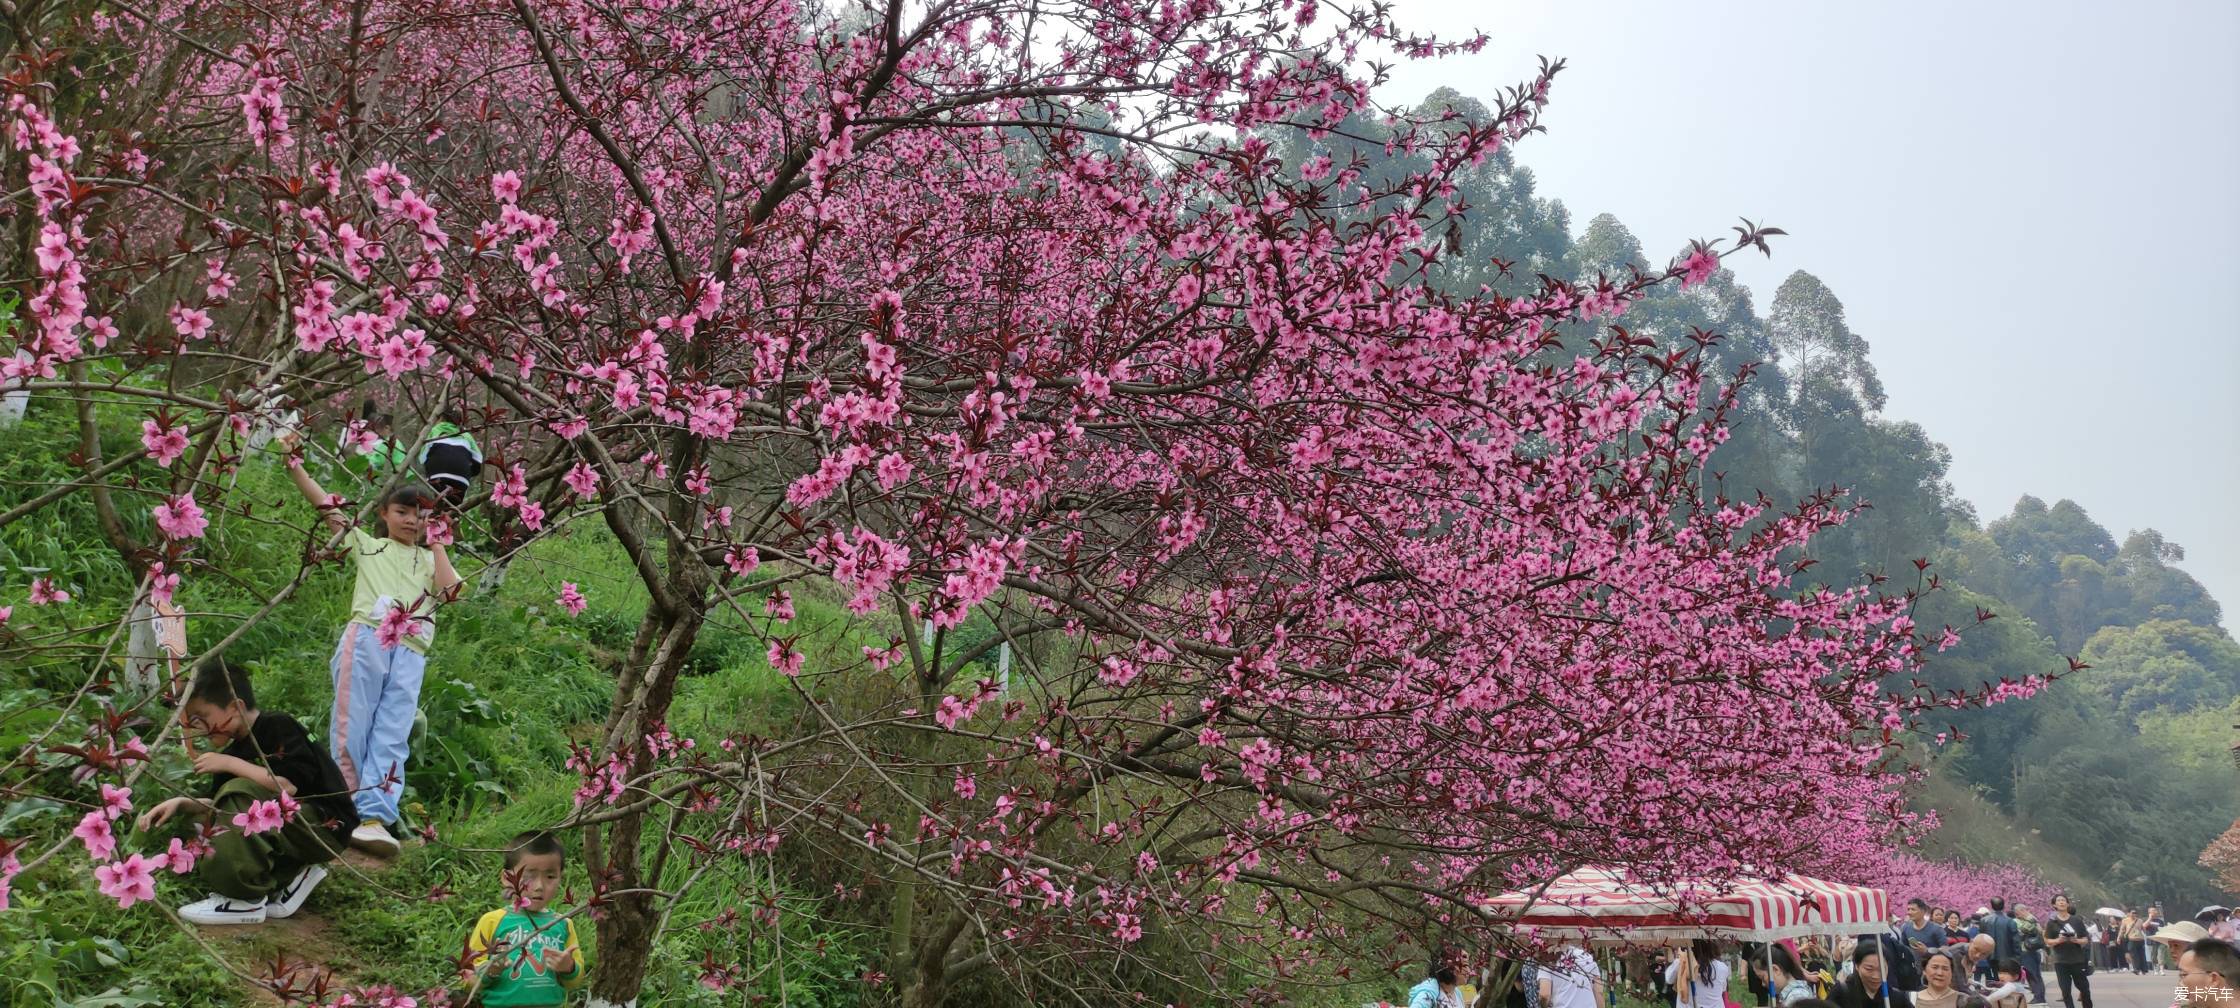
2031, 210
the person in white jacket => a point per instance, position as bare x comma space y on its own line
1574, 980
1699, 979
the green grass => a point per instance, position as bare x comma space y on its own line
512, 682
1974, 830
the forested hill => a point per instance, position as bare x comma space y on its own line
2123, 764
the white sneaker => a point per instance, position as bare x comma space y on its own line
221, 910
284, 902
374, 838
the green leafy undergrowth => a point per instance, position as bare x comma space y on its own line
512, 683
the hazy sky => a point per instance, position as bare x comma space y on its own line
2031, 210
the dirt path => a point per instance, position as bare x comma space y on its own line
298, 951
294, 952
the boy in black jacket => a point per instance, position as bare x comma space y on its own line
276, 810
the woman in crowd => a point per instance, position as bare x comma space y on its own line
2033, 952
1789, 983
1438, 989
2068, 938
1760, 984
1864, 988
1939, 986
1700, 977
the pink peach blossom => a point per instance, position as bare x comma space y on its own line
181, 518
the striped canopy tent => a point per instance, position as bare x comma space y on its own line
1602, 906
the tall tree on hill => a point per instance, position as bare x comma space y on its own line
2156, 590
1511, 236
1758, 458
1608, 248
1835, 400
1899, 473
1504, 236
2069, 574
2034, 534
1819, 351
2172, 665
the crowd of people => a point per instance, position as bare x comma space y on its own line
1933, 957
2067, 943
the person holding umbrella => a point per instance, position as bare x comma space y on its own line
2218, 920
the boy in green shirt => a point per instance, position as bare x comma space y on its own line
377, 459
524, 954
450, 456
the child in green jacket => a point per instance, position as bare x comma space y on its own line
524, 954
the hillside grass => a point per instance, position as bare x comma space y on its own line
513, 682
1975, 830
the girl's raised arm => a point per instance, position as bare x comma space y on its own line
337, 522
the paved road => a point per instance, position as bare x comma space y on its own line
2123, 990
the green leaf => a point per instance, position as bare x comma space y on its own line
113, 998
16, 814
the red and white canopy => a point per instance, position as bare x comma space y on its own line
1596, 904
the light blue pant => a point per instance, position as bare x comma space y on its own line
376, 693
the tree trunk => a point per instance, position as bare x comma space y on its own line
929, 976
903, 907
643, 691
